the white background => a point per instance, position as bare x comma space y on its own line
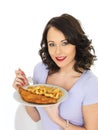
21, 26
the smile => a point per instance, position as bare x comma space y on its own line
61, 58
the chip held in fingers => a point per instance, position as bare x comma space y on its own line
41, 94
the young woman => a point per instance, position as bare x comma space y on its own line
66, 61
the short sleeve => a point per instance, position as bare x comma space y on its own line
91, 92
40, 73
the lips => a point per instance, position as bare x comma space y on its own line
61, 58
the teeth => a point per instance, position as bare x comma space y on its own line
60, 57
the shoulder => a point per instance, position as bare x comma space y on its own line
91, 78
40, 73
88, 79
90, 82
90, 88
40, 65
40, 68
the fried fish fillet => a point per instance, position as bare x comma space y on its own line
35, 98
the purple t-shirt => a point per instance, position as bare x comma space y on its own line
83, 92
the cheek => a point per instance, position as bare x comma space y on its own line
51, 52
74, 51
71, 52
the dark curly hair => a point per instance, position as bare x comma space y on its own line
75, 35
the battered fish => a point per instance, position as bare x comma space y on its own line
35, 98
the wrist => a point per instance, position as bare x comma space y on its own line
64, 124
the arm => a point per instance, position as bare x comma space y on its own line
90, 114
20, 81
53, 113
33, 113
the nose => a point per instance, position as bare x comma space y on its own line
57, 50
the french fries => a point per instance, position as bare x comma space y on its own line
52, 92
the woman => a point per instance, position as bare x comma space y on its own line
66, 61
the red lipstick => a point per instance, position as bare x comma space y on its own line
60, 58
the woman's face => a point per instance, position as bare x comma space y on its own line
61, 52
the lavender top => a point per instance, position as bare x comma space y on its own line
83, 92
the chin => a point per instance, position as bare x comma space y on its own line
61, 65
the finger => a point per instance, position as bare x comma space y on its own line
16, 84
21, 76
20, 81
20, 72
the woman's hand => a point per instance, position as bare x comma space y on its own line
53, 112
20, 79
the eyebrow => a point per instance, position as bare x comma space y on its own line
50, 41
64, 40
61, 41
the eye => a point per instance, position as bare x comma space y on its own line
51, 44
64, 43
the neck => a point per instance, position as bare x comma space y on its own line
69, 72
